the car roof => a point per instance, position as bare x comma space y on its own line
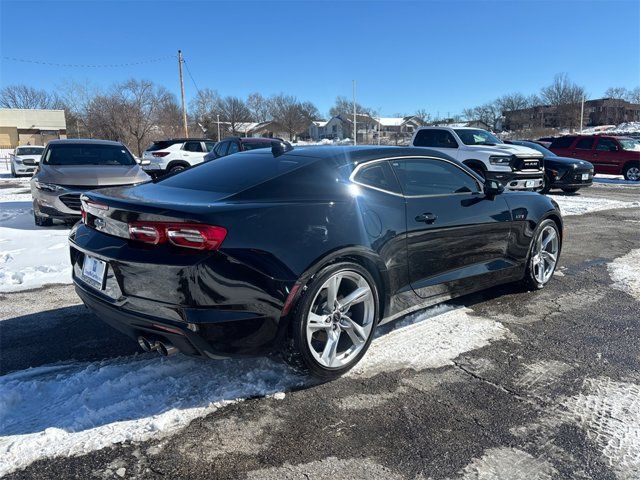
83, 141
30, 146
176, 140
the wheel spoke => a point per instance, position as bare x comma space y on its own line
549, 257
359, 295
331, 347
356, 333
550, 237
332, 291
317, 322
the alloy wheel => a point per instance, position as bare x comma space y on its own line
340, 320
545, 254
633, 174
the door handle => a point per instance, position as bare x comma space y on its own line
426, 218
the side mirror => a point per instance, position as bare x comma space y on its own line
493, 187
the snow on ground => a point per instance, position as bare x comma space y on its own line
625, 273
74, 408
30, 256
614, 180
581, 204
609, 413
512, 463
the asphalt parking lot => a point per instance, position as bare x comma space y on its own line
503, 384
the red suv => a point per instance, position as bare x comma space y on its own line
610, 155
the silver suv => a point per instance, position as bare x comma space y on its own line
70, 167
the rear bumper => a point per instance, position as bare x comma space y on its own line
209, 307
518, 180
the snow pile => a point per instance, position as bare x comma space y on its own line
609, 412
614, 180
623, 128
431, 343
625, 273
580, 204
76, 408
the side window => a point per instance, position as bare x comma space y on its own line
435, 139
378, 175
192, 147
562, 142
209, 145
432, 177
585, 143
221, 148
607, 145
233, 148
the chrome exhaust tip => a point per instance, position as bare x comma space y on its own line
146, 345
165, 349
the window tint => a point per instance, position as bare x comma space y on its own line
234, 174
192, 147
209, 145
88, 154
233, 148
255, 145
378, 175
435, 139
221, 148
562, 142
585, 143
161, 145
432, 177
607, 144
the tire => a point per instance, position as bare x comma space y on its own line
570, 189
39, 220
631, 172
546, 185
533, 280
177, 168
313, 326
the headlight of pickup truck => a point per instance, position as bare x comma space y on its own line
499, 160
48, 187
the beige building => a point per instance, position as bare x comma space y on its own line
30, 127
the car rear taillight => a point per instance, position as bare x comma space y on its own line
160, 154
188, 235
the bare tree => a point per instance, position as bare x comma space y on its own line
291, 115
633, 96
619, 93
204, 108
513, 101
423, 115
489, 113
259, 107
234, 111
344, 106
566, 96
23, 96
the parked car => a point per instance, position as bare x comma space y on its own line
545, 141
24, 160
304, 252
231, 145
609, 154
567, 174
516, 167
70, 167
175, 155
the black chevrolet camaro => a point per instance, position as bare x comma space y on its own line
303, 252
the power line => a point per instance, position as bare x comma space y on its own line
85, 65
190, 76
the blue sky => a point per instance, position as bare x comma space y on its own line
442, 56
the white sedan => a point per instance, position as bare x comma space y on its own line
25, 160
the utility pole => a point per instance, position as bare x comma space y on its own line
218, 118
582, 114
355, 125
184, 108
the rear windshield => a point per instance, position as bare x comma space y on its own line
256, 145
234, 173
29, 151
96, 154
161, 145
562, 142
